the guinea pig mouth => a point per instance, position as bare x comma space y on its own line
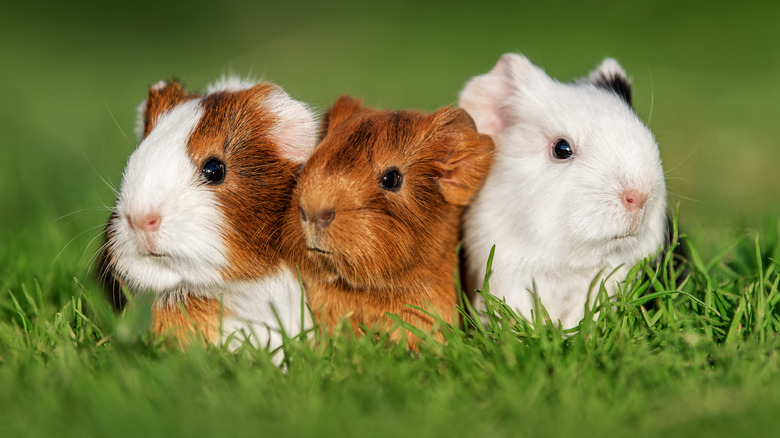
627, 235
146, 252
319, 250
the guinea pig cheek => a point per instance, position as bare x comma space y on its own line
180, 243
169, 226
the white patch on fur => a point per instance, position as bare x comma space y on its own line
609, 68
230, 83
262, 309
140, 117
296, 130
160, 178
558, 224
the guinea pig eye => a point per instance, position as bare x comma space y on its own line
213, 171
391, 180
562, 150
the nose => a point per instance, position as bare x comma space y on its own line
321, 218
149, 222
633, 199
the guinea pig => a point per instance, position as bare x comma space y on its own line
577, 189
376, 214
199, 214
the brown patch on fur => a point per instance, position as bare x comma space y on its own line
385, 250
237, 127
162, 99
202, 314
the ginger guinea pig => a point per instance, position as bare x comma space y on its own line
376, 215
577, 189
199, 213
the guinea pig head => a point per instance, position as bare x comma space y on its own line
591, 173
203, 196
378, 204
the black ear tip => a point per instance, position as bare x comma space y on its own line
611, 77
616, 84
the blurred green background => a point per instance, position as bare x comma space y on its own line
72, 73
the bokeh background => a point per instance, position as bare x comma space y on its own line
706, 81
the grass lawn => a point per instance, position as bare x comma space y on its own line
678, 353
683, 351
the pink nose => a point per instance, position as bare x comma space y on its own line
321, 218
149, 222
633, 199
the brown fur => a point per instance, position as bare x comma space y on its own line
201, 313
236, 127
386, 250
160, 100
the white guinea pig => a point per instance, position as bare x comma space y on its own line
198, 218
576, 189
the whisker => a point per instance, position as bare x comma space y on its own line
652, 94
275, 251
93, 258
679, 178
105, 181
72, 240
690, 154
111, 113
83, 210
677, 195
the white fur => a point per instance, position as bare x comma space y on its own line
296, 130
264, 308
608, 68
559, 224
161, 178
257, 310
230, 83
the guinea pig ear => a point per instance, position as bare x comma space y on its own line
162, 97
295, 130
467, 160
344, 107
488, 97
611, 77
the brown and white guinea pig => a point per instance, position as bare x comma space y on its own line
375, 217
199, 214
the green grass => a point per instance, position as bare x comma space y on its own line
684, 348
700, 358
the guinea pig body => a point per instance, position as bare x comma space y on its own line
577, 189
198, 218
375, 217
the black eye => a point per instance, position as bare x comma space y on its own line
391, 180
213, 171
562, 150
